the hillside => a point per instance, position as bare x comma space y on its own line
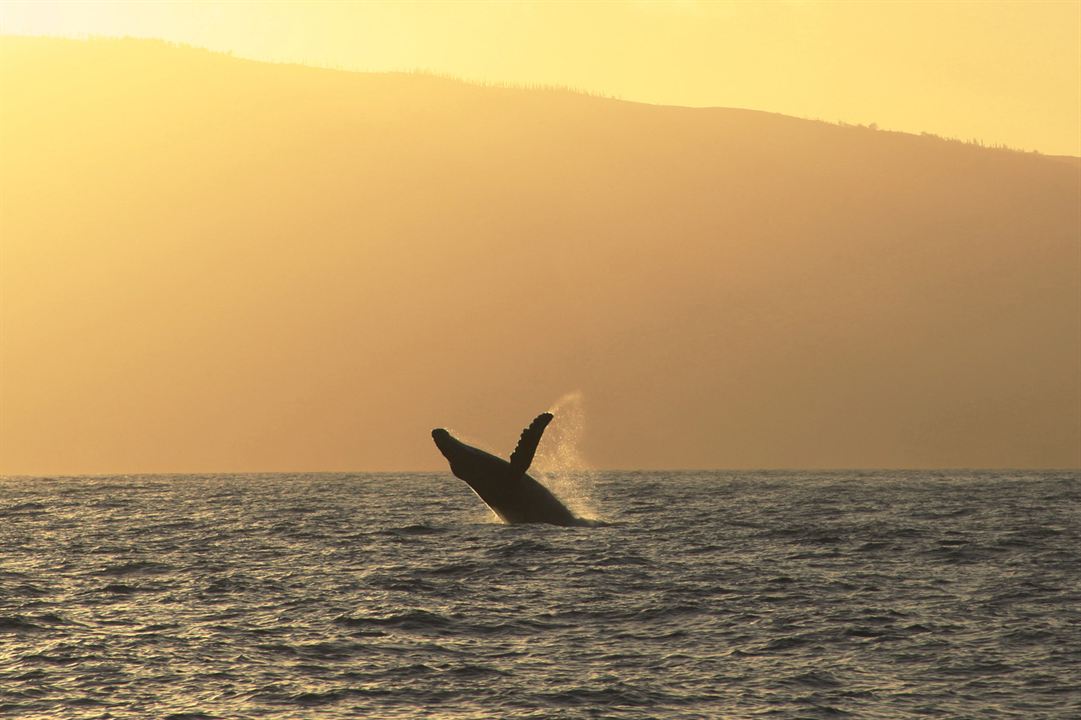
210, 263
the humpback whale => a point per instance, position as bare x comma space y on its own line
506, 486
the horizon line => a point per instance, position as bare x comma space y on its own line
684, 470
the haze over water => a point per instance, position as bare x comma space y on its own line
212, 264
712, 594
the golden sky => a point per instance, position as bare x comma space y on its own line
213, 264
1002, 72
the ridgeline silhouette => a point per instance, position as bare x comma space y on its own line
218, 264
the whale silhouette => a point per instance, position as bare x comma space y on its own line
506, 486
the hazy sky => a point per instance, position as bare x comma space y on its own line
1003, 72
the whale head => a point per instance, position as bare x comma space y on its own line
445, 442
463, 458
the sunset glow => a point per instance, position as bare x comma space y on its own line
558, 359
1003, 72
210, 262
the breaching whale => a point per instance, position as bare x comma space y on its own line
505, 486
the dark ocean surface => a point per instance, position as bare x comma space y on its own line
711, 595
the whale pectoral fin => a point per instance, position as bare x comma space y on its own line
522, 456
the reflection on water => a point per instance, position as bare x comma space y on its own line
876, 595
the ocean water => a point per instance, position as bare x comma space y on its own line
710, 595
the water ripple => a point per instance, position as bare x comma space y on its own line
818, 595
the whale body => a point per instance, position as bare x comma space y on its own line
505, 485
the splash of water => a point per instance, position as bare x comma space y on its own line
559, 463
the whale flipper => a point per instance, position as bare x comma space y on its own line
522, 457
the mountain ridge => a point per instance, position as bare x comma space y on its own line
449, 78
244, 264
